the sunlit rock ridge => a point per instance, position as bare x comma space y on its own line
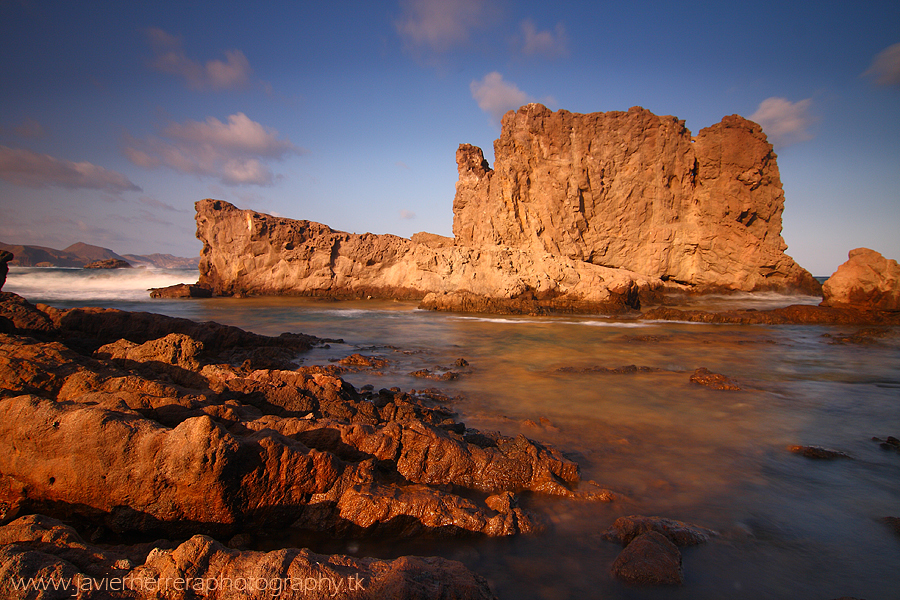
580, 211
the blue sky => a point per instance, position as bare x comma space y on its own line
115, 117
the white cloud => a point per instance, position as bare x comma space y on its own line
886, 66
170, 58
785, 122
407, 214
30, 169
496, 96
231, 151
439, 24
546, 43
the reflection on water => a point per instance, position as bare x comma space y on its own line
791, 527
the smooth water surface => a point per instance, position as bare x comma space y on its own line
790, 527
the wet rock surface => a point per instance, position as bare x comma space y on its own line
716, 381
650, 559
181, 290
818, 452
651, 555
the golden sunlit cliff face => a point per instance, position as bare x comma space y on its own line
632, 190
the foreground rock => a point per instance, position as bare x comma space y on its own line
212, 430
43, 552
867, 280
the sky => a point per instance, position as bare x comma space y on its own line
115, 117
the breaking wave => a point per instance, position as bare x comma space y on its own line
53, 284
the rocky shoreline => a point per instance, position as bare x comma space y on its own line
138, 426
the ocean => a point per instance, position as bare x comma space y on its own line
791, 527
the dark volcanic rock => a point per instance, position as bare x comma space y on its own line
716, 381
650, 559
110, 263
818, 452
893, 523
181, 290
5, 257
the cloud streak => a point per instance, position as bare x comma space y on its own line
29, 169
550, 44
232, 151
886, 66
233, 72
783, 121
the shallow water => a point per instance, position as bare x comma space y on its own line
790, 527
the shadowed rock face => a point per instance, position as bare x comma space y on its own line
40, 547
632, 190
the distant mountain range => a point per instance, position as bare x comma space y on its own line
80, 254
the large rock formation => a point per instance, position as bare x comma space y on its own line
632, 190
585, 212
866, 280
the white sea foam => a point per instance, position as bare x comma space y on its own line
57, 284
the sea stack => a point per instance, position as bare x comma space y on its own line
635, 191
596, 212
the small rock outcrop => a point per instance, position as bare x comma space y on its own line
181, 290
651, 555
867, 280
111, 263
